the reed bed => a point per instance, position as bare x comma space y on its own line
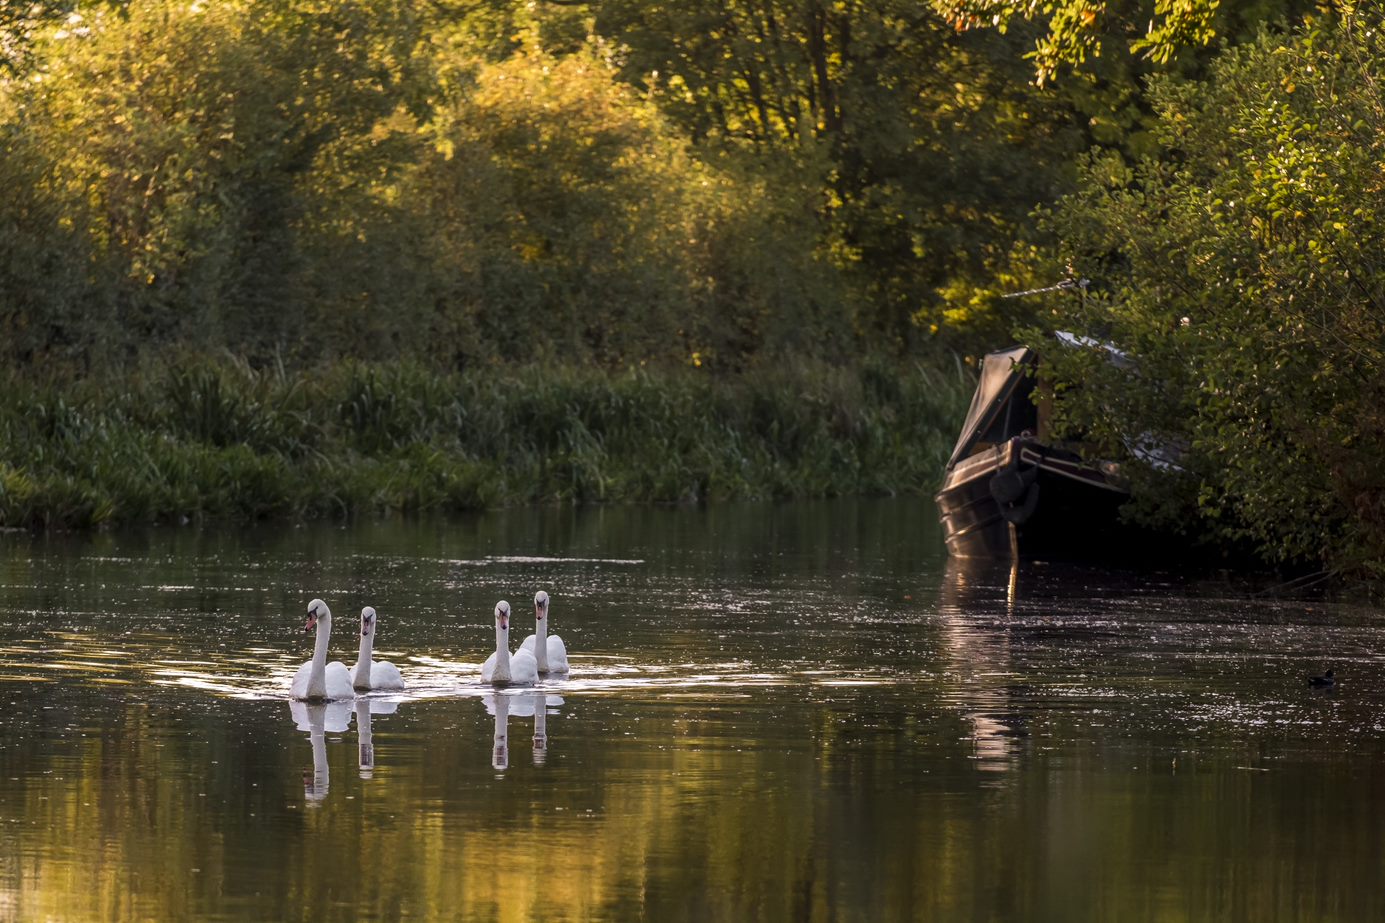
204, 439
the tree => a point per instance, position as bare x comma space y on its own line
1076, 30
223, 155
572, 220
928, 147
1244, 270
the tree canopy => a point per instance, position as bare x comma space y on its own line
723, 186
1243, 271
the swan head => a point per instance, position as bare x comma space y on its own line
367, 620
502, 615
317, 610
540, 604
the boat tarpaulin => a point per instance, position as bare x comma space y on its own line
1004, 375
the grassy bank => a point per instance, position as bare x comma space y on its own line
215, 440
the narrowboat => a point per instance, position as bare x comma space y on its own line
1010, 491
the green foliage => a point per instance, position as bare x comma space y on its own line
54, 310
1244, 271
297, 181
572, 220
200, 145
1075, 31
216, 440
394, 195
927, 149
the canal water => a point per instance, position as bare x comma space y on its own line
775, 712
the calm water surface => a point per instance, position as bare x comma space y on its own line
801, 712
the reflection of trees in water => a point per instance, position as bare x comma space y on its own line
808, 819
859, 806
729, 541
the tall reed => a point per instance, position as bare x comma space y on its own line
214, 439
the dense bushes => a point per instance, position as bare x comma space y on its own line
298, 182
1244, 270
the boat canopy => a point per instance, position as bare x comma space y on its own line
1000, 408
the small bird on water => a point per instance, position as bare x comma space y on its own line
1326, 681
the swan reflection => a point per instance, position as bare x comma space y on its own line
521, 705
365, 707
317, 719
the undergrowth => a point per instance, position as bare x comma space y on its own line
214, 439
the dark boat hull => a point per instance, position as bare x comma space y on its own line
1023, 498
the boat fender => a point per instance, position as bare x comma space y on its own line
1015, 492
1009, 484
1019, 513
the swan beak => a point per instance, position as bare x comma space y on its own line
312, 623
504, 623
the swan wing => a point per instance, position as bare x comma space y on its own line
557, 655
299, 688
488, 668
528, 644
385, 675
524, 669
339, 681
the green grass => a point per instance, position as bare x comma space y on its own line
205, 439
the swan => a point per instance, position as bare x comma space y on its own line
368, 674
501, 668
317, 680
548, 650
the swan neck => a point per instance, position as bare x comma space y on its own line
317, 678
502, 652
541, 643
324, 630
363, 657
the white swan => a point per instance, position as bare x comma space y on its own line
548, 650
377, 674
317, 680
501, 668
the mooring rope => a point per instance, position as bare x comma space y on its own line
1063, 286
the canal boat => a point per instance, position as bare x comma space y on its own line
1010, 491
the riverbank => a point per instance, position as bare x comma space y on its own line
215, 440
